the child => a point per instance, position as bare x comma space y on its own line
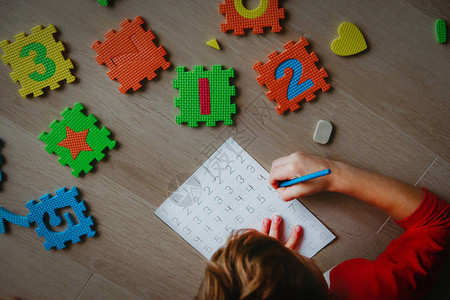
256, 265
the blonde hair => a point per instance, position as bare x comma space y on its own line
253, 265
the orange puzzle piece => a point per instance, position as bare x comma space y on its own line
239, 18
130, 54
291, 76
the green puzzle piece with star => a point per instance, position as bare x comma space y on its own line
77, 140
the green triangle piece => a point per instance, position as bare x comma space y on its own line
213, 43
441, 31
103, 2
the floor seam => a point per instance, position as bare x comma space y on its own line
85, 285
426, 171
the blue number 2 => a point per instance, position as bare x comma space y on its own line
294, 88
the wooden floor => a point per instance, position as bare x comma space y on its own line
390, 108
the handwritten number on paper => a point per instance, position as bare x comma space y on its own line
187, 211
239, 198
291, 206
229, 189
176, 221
187, 230
261, 199
240, 158
207, 210
209, 190
218, 199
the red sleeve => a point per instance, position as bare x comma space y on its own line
410, 264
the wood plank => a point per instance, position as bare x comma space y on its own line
99, 287
28, 271
388, 105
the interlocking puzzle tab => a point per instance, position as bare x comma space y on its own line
205, 96
77, 140
49, 205
291, 76
239, 18
7, 216
131, 55
37, 61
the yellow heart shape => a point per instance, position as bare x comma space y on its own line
350, 41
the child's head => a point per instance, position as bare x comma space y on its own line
253, 265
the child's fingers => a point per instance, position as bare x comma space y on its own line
265, 226
274, 227
278, 168
285, 172
292, 192
296, 235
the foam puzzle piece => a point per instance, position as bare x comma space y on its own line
103, 2
205, 96
213, 43
73, 136
350, 41
49, 205
291, 76
323, 132
441, 31
37, 61
131, 55
7, 216
238, 18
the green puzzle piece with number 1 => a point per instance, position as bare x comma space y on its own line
64, 140
205, 96
37, 61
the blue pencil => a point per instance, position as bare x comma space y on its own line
306, 177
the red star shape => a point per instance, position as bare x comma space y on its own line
75, 142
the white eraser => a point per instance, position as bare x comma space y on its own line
323, 132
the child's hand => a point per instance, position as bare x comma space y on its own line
296, 165
271, 228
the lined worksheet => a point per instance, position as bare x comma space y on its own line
231, 191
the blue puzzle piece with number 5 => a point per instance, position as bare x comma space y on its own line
49, 205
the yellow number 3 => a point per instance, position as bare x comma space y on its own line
40, 58
251, 13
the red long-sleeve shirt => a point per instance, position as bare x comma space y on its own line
410, 264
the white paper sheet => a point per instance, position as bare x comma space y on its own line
231, 191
